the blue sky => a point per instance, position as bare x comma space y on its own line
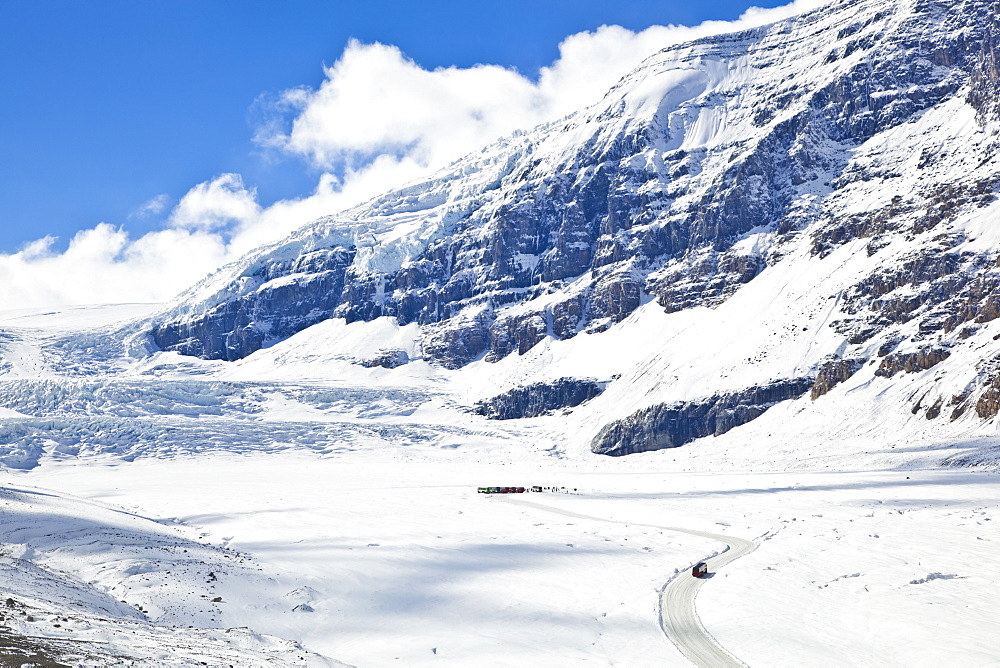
143, 115
111, 103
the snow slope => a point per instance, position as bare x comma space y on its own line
96, 585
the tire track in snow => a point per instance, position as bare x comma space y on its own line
678, 617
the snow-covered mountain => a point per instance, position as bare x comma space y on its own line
777, 249
801, 215
852, 149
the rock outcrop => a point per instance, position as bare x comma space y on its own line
833, 373
672, 425
388, 359
538, 399
918, 360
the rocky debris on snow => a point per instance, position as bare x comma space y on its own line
538, 399
934, 576
388, 359
672, 425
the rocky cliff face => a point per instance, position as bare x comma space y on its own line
538, 399
861, 137
672, 425
291, 295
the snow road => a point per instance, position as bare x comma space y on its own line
678, 617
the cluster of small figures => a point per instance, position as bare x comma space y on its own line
519, 490
506, 490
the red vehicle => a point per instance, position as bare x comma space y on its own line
699, 569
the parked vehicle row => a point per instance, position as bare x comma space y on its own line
519, 490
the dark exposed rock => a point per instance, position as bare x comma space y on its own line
935, 409
984, 89
940, 204
943, 289
961, 404
615, 296
832, 373
19, 650
276, 309
519, 333
539, 399
709, 281
569, 316
389, 359
919, 360
672, 425
988, 403
458, 342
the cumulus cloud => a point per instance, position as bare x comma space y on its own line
376, 101
377, 121
222, 202
103, 265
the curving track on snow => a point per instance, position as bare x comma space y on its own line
678, 617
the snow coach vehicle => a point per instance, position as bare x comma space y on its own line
700, 569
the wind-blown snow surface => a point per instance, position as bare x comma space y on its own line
335, 506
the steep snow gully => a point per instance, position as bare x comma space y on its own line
678, 617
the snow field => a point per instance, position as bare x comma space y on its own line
398, 556
406, 560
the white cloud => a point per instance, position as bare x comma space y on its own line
222, 202
153, 207
378, 120
102, 265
